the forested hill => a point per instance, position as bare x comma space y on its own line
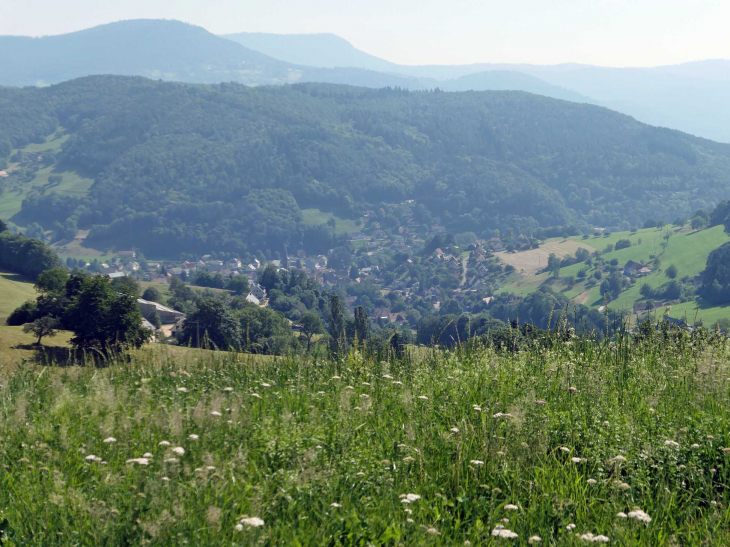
191, 168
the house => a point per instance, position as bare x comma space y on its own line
398, 318
116, 275
167, 315
631, 268
643, 272
252, 299
126, 254
381, 313
4, 174
258, 291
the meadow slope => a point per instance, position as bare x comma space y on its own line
576, 444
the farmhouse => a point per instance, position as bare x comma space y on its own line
127, 254
258, 291
4, 174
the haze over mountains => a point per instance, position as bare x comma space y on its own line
694, 97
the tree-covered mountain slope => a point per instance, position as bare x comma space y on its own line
190, 168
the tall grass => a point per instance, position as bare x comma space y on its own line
572, 433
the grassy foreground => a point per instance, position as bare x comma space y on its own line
565, 443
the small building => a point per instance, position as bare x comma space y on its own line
167, 315
116, 275
258, 291
3, 174
127, 254
631, 268
252, 299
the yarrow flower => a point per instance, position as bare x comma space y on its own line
110, 440
163, 443
502, 532
92, 458
409, 498
591, 481
621, 515
335, 505
454, 430
564, 449
179, 450
511, 507
193, 437
139, 461
182, 389
501, 415
216, 414
423, 397
590, 538
570, 527
672, 444
476, 462
576, 460
534, 539
255, 522
228, 389
638, 514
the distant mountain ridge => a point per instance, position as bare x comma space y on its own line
175, 51
693, 97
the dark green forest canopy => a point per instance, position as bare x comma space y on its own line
192, 168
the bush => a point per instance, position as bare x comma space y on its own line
622, 244
23, 314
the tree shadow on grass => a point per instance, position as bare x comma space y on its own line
59, 356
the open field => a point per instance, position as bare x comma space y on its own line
686, 249
14, 290
471, 446
315, 217
528, 263
15, 192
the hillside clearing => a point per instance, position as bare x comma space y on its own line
14, 290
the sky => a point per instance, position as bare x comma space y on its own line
600, 32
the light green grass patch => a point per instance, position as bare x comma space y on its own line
14, 290
315, 217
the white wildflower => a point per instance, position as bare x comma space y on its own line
92, 458
672, 444
256, 395
335, 378
570, 527
476, 462
639, 515
110, 440
454, 430
171, 460
397, 383
564, 449
163, 443
511, 507
477, 408
575, 460
502, 532
423, 398
349, 388
335, 505
182, 389
501, 415
619, 458
409, 459
534, 539
252, 521
193, 437
179, 450
264, 384
413, 497
139, 461
228, 389
147, 455
364, 396
216, 414
592, 481
590, 538
621, 515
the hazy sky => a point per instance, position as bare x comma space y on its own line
602, 32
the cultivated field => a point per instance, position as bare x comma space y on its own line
14, 290
574, 445
528, 263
